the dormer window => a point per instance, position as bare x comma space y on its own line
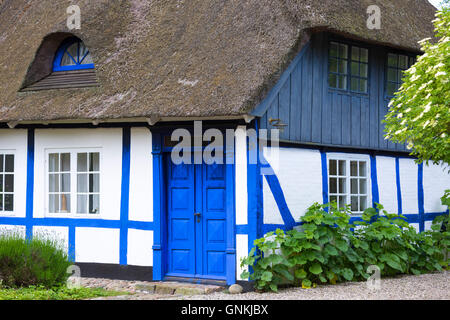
72, 55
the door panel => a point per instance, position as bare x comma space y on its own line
196, 245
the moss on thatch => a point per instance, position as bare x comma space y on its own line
179, 58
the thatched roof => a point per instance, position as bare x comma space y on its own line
178, 58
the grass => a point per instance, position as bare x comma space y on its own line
58, 293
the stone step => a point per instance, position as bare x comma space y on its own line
178, 288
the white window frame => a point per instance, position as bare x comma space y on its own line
14, 193
347, 158
73, 183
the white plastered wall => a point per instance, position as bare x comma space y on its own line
107, 141
15, 141
299, 172
140, 244
58, 234
435, 181
141, 175
100, 245
409, 184
387, 183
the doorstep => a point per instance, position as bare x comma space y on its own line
178, 288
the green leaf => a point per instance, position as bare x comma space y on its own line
347, 274
331, 250
300, 273
315, 268
266, 276
306, 283
341, 245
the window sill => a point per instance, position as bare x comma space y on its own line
72, 216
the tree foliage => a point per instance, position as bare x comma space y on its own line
419, 112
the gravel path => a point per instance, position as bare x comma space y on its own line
435, 286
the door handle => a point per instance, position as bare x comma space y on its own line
197, 214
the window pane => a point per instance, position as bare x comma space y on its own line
363, 70
362, 169
333, 167
333, 65
354, 67
403, 62
411, 61
9, 163
53, 162
65, 203
342, 82
94, 204
82, 162
9, 183
82, 203
67, 60
342, 186
364, 55
354, 186
94, 161
342, 201
94, 182
362, 203
333, 199
1, 202
355, 53
82, 183
392, 74
65, 182
392, 60
354, 204
333, 185
70, 56
332, 81
342, 66
400, 75
362, 186
343, 51
391, 88
354, 168
354, 84
333, 49
53, 203
65, 162
85, 56
1, 163
1, 183
342, 167
363, 85
9, 205
53, 183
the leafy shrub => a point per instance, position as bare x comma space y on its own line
327, 248
37, 262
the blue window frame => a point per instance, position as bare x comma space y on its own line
348, 67
72, 55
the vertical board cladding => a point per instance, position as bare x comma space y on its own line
316, 113
299, 172
15, 142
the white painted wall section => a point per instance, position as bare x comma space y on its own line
100, 245
141, 175
15, 142
140, 244
435, 181
241, 176
6, 229
107, 141
300, 174
409, 185
387, 184
241, 252
58, 234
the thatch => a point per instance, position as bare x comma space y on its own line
178, 58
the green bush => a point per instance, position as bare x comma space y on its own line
37, 262
327, 248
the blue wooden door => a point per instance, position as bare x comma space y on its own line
196, 206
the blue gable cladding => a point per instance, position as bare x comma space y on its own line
317, 114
